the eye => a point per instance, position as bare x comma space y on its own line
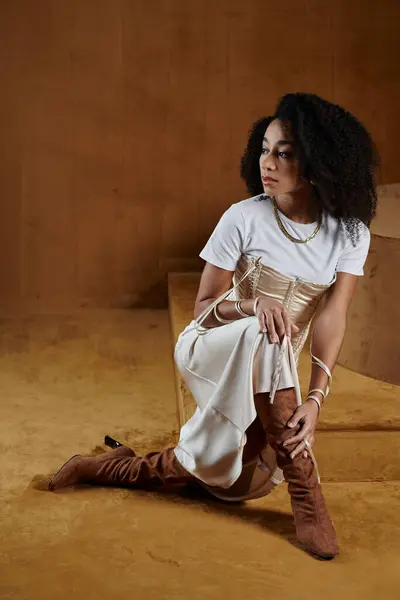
285, 154
264, 150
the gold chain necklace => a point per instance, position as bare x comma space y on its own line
287, 234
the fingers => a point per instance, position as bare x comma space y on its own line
303, 433
262, 321
279, 322
276, 322
302, 447
299, 448
271, 328
311, 442
296, 417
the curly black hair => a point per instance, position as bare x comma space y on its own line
335, 152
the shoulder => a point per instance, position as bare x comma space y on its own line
245, 214
354, 249
337, 230
246, 209
365, 234
249, 205
361, 240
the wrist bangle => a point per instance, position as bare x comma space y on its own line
318, 390
256, 301
240, 310
317, 400
220, 319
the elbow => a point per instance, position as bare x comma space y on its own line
198, 309
201, 305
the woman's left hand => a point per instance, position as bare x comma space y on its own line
307, 416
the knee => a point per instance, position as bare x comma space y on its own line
275, 416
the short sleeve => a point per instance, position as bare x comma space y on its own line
225, 244
353, 258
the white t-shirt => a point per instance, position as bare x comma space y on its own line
250, 227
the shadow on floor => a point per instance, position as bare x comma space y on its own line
195, 496
276, 522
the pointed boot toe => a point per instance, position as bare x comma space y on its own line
315, 530
67, 475
78, 469
321, 543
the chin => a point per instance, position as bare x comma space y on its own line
271, 190
278, 190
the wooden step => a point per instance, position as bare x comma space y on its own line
358, 434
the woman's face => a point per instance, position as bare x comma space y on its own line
279, 167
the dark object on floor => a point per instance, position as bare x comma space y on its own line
109, 441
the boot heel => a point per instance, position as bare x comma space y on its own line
111, 443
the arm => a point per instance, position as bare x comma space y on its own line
214, 282
272, 315
330, 327
328, 334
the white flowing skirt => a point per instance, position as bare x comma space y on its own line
223, 370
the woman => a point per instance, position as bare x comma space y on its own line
294, 251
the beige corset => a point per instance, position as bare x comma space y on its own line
300, 297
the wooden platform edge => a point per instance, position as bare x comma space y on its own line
186, 404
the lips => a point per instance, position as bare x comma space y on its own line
269, 180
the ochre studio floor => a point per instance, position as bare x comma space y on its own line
66, 381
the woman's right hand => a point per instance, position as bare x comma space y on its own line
274, 319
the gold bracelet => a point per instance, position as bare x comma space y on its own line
256, 301
240, 310
318, 390
317, 400
220, 319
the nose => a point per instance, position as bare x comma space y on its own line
268, 162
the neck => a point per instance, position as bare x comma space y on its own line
300, 205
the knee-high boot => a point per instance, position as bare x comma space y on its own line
122, 468
315, 530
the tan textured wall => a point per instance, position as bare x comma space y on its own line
371, 345
122, 124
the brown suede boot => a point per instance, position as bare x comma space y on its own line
315, 530
122, 468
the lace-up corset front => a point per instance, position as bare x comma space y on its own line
300, 297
